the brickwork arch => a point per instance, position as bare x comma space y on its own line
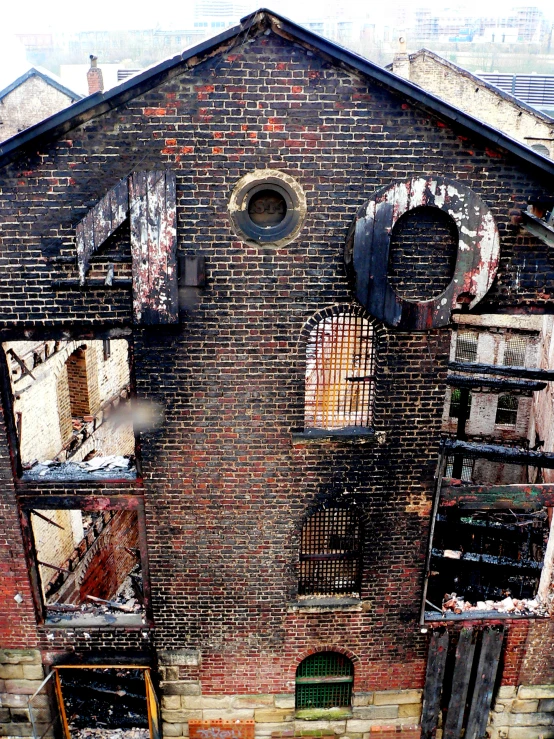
328, 647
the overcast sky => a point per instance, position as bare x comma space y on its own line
32, 16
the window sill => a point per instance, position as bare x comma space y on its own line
352, 435
320, 604
79, 621
325, 714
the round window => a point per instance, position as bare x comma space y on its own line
267, 208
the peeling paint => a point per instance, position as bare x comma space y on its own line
367, 253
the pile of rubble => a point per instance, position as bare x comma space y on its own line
126, 600
453, 603
103, 467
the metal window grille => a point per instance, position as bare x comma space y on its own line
454, 411
324, 680
506, 410
330, 553
340, 372
467, 468
466, 346
514, 352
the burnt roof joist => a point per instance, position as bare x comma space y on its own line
499, 453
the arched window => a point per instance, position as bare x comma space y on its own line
331, 553
324, 680
340, 371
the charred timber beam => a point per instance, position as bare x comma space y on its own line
471, 558
48, 520
494, 369
105, 256
53, 567
455, 492
538, 228
70, 284
498, 453
495, 383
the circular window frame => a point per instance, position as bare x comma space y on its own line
281, 233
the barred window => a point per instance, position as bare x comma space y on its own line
467, 468
330, 553
340, 372
466, 346
324, 680
506, 410
514, 352
455, 404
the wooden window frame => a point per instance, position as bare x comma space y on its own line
12, 423
91, 503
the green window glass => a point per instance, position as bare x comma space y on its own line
324, 680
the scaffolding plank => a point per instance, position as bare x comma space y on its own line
489, 658
436, 662
465, 651
153, 247
526, 496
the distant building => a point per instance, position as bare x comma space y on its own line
32, 97
478, 97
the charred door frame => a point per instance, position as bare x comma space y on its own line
27, 503
152, 710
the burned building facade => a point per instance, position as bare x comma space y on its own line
311, 289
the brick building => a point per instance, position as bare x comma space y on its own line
35, 95
478, 97
302, 254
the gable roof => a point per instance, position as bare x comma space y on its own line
481, 83
48, 77
259, 21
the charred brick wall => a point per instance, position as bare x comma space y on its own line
225, 486
104, 571
422, 253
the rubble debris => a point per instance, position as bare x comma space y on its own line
102, 733
99, 467
508, 605
126, 600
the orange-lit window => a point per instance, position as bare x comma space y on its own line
340, 371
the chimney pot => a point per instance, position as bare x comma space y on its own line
95, 78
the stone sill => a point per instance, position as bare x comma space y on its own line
319, 605
323, 714
352, 435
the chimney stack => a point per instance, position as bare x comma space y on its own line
94, 76
401, 61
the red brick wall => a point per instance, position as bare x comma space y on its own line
226, 491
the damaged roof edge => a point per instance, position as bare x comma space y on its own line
101, 102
